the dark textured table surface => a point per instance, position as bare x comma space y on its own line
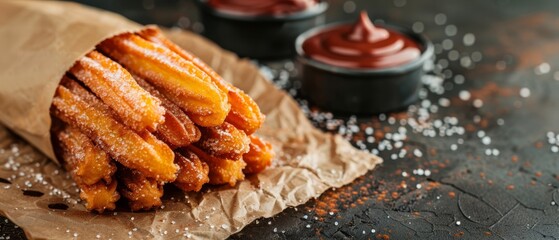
476, 158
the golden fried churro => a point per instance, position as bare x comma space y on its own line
245, 113
177, 130
259, 157
116, 87
142, 193
224, 141
193, 173
100, 196
140, 151
178, 79
89, 166
87, 163
222, 171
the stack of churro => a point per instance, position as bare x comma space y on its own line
139, 112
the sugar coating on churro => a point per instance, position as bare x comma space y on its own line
245, 113
145, 152
224, 141
193, 173
115, 86
180, 80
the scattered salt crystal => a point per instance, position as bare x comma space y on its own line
543, 68
450, 30
500, 122
524, 92
486, 140
427, 173
418, 27
464, 95
349, 7
444, 102
478, 103
440, 18
466, 61
496, 152
469, 39
417, 153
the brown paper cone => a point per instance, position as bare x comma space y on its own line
41, 40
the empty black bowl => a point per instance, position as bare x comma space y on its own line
362, 91
262, 36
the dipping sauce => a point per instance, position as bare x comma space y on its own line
261, 7
361, 46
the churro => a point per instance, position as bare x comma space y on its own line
115, 86
142, 193
259, 157
140, 151
245, 113
193, 173
222, 171
177, 130
178, 79
90, 167
224, 141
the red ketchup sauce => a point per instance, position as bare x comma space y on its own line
261, 7
361, 46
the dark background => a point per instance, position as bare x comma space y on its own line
473, 191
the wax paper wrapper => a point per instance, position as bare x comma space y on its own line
40, 40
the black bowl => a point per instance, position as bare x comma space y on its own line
262, 36
362, 91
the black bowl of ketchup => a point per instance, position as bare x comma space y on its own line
261, 29
361, 68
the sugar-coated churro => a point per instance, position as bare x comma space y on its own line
141, 152
115, 86
259, 157
178, 79
245, 113
193, 173
177, 130
90, 167
222, 171
224, 141
142, 193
